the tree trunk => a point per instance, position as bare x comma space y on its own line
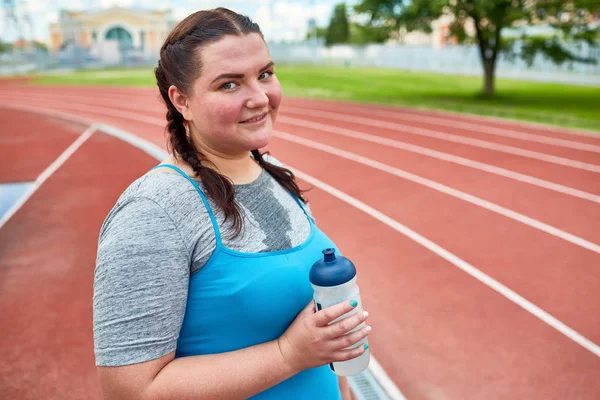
489, 67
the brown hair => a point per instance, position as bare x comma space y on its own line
180, 65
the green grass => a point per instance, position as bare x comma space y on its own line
557, 104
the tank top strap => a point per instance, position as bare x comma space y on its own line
309, 217
202, 196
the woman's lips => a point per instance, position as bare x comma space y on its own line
257, 120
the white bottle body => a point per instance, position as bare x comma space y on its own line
326, 296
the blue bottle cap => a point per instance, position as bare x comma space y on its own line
331, 270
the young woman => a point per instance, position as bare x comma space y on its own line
201, 286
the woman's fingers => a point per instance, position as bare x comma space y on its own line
345, 325
345, 355
351, 338
326, 315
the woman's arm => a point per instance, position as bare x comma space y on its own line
310, 341
235, 375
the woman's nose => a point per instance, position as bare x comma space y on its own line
258, 99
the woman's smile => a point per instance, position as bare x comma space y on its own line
256, 120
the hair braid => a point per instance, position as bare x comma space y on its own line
180, 64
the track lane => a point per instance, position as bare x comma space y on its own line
426, 387
577, 216
20, 131
46, 272
582, 136
352, 108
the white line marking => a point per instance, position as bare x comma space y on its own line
442, 156
456, 139
468, 126
150, 148
401, 173
455, 260
48, 112
476, 118
48, 172
136, 141
384, 380
397, 144
382, 124
444, 189
98, 110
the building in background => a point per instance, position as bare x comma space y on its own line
110, 36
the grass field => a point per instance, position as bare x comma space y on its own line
557, 104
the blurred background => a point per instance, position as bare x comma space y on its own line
441, 336
514, 61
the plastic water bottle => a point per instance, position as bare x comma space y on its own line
334, 281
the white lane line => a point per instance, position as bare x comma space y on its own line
408, 147
514, 124
442, 156
456, 139
159, 154
576, 240
468, 126
44, 111
387, 125
394, 171
476, 119
43, 177
98, 110
455, 260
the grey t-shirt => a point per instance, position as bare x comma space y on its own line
156, 236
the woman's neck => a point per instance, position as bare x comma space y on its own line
240, 169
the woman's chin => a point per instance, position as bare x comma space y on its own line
259, 139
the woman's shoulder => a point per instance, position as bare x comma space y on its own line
163, 195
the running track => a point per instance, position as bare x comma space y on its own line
477, 241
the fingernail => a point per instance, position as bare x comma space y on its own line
354, 303
366, 313
366, 346
368, 328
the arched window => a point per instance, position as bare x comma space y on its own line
120, 34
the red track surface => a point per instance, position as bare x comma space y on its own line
438, 332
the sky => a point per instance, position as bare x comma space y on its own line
278, 19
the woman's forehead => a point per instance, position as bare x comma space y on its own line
235, 54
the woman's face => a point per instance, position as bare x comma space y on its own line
236, 97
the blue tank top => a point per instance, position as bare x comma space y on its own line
237, 300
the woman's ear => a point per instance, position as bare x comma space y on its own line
180, 101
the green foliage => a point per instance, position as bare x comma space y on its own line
365, 34
568, 18
339, 29
319, 32
4, 47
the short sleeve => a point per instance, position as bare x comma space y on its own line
140, 285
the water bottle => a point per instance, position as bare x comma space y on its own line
334, 281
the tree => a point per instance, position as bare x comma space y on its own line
317, 32
364, 34
4, 47
569, 18
338, 30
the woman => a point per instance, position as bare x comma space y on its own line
201, 284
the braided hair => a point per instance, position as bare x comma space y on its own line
180, 65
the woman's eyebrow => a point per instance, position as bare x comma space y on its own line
240, 76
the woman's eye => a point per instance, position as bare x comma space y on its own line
229, 85
265, 75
